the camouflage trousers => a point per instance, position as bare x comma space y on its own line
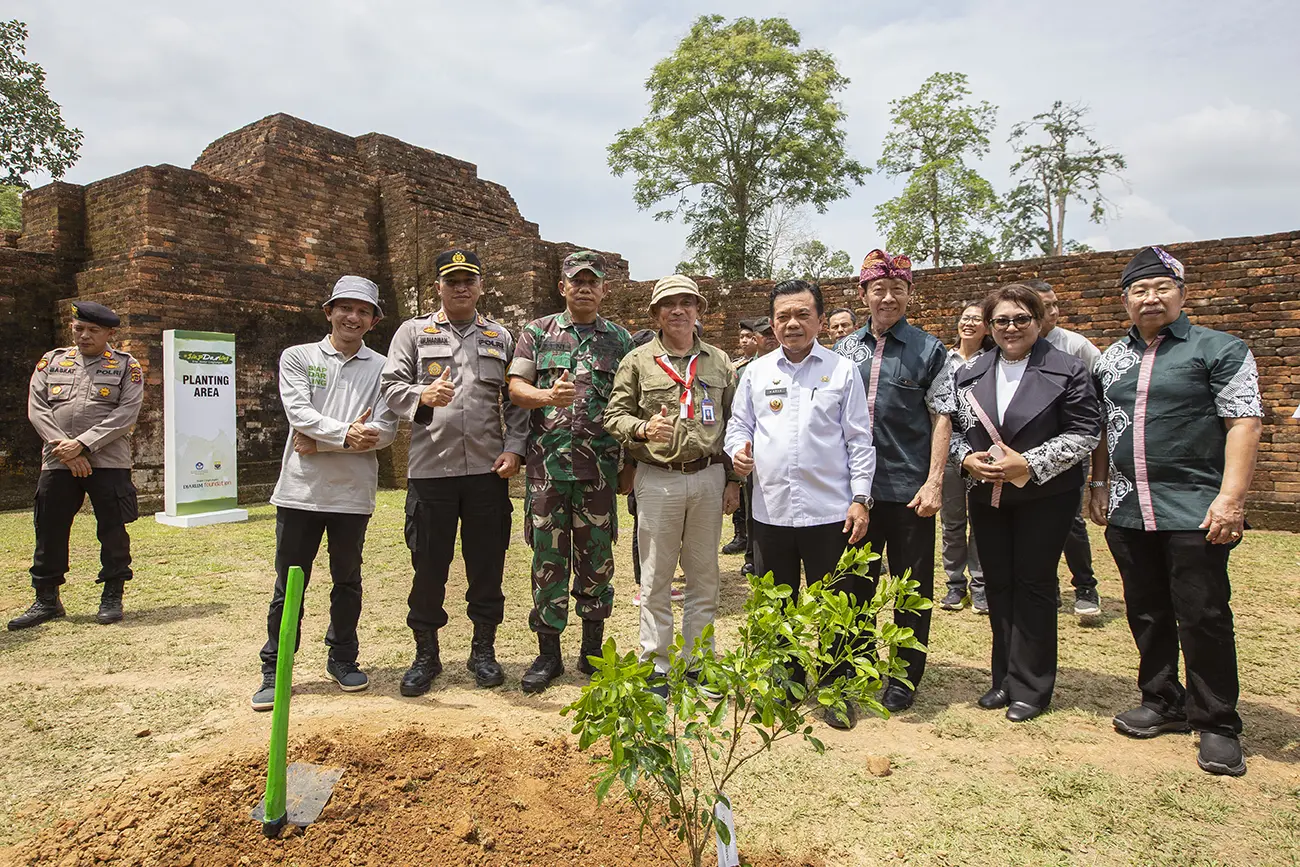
573, 525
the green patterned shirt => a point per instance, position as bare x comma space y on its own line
571, 443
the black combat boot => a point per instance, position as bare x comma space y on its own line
483, 656
419, 677
46, 607
546, 667
593, 635
110, 602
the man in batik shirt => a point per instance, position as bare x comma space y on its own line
1183, 418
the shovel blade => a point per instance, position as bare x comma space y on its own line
307, 790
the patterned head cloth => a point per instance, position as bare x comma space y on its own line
880, 264
1151, 262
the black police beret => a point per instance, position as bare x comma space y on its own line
98, 314
457, 260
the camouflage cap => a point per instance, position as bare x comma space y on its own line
584, 260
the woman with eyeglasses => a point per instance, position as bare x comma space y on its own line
959, 549
1027, 418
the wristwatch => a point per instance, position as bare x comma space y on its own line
864, 500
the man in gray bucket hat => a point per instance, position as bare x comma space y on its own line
338, 420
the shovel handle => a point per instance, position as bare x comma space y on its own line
277, 759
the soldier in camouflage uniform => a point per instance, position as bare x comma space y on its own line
563, 371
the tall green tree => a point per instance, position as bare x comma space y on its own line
740, 120
1057, 161
32, 134
11, 207
945, 203
813, 260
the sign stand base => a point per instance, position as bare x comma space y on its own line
202, 519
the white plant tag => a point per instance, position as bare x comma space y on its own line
728, 854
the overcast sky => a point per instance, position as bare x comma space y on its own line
1201, 97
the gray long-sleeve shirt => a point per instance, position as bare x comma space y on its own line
466, 437
323, 393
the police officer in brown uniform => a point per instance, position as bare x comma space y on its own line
83, 401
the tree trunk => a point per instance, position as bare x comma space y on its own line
1061, 196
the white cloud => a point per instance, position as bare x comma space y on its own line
1202, 103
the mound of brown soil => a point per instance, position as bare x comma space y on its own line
405, 798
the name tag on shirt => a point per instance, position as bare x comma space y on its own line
706, 412
775, 392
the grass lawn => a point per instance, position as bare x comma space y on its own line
91, 710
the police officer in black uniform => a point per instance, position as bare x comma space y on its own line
83, 402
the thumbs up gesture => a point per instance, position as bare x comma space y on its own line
439, 392
743, 462
660, 427
563, 392
360, 437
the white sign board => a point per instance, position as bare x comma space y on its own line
199, 427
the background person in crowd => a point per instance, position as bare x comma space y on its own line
766, 337
446, 374
641, 338
1027, 417
750, 343
329, 474
800, 426
840, 323
83, 401
672, 398
960, 553
1078, 550
910, 399
563, 372
1183, 419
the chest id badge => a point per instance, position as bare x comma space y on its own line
706, 412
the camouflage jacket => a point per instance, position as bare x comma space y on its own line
571, 443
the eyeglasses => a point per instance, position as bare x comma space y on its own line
970, 320
1163, 290
1002, 323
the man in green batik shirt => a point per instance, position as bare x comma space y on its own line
1170, 478
563, 371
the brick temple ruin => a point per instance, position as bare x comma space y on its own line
250, 238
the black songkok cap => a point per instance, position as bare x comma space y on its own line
1151, 262
98, 314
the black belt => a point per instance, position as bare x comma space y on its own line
687, 467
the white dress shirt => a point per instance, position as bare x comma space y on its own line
1074, 343
811, 437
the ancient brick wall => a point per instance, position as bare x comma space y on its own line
1246, 286
249, 241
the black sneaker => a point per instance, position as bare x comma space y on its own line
709, 690
842, 721
659, 685
979, 600
1144, 722
954, 601
1087, 605
1221, 754
897, 698
264, 698
347, 675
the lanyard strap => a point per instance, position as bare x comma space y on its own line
994, 435
1143, 483
687, 406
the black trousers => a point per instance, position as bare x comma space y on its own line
782, 550
909, 541
1020, 547
1177, 593
636, 549
481, 504
59, 495
1078, 551
297, 539
740, 517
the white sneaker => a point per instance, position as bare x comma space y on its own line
678, 594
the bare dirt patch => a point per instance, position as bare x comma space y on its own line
406, 797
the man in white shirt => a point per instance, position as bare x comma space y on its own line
1078, 550
800, 424
337, 422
